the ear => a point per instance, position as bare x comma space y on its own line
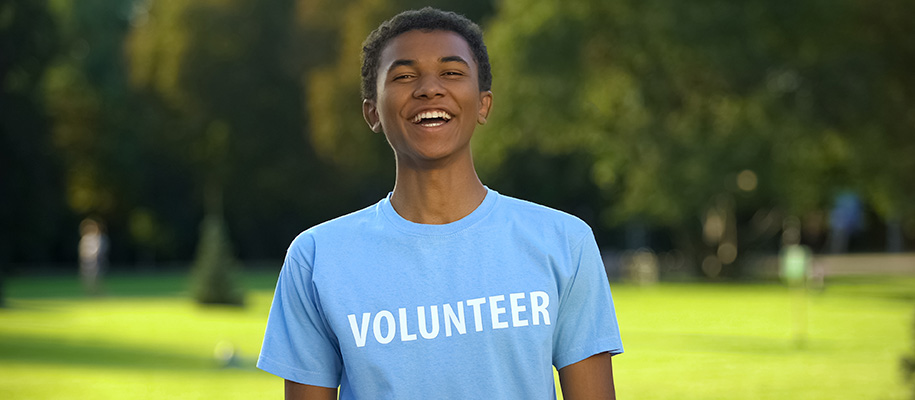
485, 106
370, 113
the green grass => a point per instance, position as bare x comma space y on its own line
736, 342
147, 340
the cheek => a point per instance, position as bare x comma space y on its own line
388, 106
383, 109
388, 115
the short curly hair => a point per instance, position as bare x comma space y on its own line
426, 19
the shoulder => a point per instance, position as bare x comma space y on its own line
543, 218
339, 230
540, 214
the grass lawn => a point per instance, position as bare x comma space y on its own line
147, 340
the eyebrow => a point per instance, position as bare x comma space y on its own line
408, 63
400, 62
453, 59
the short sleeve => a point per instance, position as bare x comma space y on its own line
586, 324
298, 345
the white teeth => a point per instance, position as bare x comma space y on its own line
431, 114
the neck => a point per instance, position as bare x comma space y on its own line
437, 195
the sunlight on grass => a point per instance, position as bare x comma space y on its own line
686, 341
734, 342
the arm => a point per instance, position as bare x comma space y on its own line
298, 391
588, 379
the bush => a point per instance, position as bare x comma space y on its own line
215, 270
908, 365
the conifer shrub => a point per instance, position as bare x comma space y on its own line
215, 271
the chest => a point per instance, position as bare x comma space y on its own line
437, 296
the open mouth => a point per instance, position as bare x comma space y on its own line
431, 118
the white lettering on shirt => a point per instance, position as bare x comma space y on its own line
538, 307
405, 336
376, 327
456, 320
421, 314
360, 334
517, 309
428, 325
477, 316
495, 311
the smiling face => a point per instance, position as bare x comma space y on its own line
428, 99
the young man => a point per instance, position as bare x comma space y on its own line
445, 289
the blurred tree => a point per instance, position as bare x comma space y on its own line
30, 209
675, 101
119, 168
215, 270
230, 73
703, 118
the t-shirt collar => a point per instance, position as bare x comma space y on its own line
439, 229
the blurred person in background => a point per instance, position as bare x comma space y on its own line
845, 219
445, 288
93, 255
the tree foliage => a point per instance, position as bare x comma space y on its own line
661, 115
29, 174
29, 177
673, 100
103, 131
221, 69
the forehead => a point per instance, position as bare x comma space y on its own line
420, 46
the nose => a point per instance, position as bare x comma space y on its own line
428, 86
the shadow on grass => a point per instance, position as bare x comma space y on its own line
29, 349
893, 288
160, 284
59, 287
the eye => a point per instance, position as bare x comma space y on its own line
453, 73
402, 76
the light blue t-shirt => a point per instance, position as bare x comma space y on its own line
480, 308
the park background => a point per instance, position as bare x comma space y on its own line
699, 139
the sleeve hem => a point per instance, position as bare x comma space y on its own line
297, 375
606, 345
